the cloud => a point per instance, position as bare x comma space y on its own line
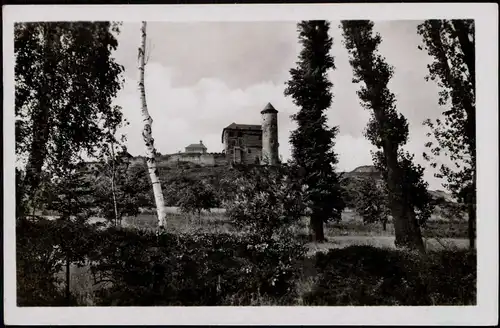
183, 115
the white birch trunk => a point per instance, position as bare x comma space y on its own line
148, 136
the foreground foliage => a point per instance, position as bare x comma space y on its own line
133, 267
365, 275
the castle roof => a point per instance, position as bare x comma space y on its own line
234, 126
196, 146
269, 109
366, 168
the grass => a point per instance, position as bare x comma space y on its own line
351, 225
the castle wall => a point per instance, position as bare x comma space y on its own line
250, 143
206, 159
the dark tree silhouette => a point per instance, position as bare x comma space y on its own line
313, 141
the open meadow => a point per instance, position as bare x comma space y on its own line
439, 233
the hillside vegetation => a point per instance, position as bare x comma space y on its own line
175, 177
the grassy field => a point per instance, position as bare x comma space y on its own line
438, 233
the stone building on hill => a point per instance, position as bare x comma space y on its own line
253, 144
196, 148
247, 144
242, 143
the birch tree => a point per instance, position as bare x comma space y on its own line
147, 134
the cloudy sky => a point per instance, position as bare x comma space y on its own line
202, 77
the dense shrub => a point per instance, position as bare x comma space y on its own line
196, 196
371, 202
135, 267
37, 262
365, 275
43, 247
268, 200
192, 269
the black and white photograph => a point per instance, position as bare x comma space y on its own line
251, 164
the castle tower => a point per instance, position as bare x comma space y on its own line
270, 135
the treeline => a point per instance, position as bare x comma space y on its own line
451, 45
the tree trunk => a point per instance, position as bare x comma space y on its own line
317, 229
472, 225
113, 183
467, 46
68, 275
384, 225
471, 211
41, 126
148, 136
406, 227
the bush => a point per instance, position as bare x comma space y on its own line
267, 201
135, 267
43, 247
192, 269
371, 202
196, 196
365, 275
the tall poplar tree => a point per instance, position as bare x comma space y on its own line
451, 44
313, 140
387, 129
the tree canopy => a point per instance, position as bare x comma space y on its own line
65, 81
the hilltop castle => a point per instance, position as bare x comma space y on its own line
243, 144
253, 144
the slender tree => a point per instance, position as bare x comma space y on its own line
147, 134
65, 80
387, 129
74, 203
313, 141
451, 44
371, 202
120, 190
